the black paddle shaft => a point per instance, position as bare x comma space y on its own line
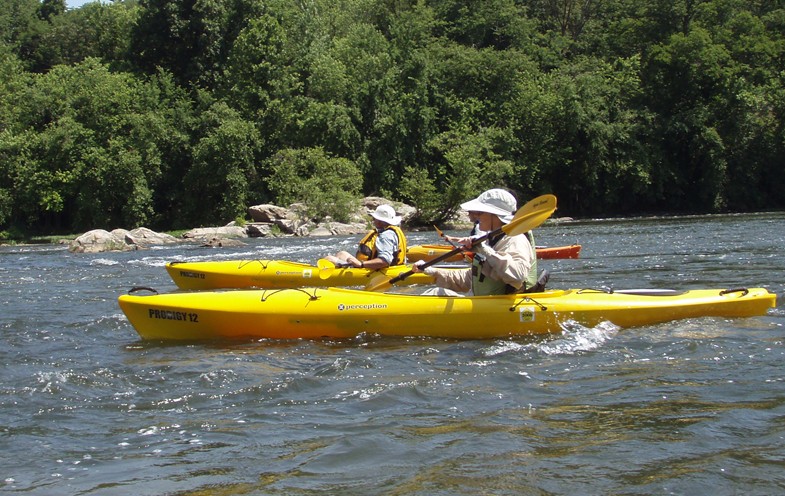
445, 256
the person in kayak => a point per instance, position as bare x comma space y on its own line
474, 232
382, 247
501, 265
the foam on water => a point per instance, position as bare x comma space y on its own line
573, 339
103, 261
576, 338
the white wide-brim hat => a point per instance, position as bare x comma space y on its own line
385, 213
494, 201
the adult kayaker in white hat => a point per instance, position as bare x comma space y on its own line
501, 265
382, 247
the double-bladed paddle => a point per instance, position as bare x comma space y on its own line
326, 268
441, 235
529, 216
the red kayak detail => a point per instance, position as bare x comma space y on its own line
429, 252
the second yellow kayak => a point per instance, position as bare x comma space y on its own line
276, 274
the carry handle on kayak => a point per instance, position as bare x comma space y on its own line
529, 216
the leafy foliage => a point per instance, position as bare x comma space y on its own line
223, 167
328, 187
179, 113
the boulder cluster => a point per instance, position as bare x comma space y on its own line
267, 220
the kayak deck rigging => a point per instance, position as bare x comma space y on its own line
324, 312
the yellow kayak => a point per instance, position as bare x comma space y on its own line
276, 274
345, 313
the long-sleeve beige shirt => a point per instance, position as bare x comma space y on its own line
510, 261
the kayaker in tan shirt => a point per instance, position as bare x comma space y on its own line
505, 264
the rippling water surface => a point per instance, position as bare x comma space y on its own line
677, 408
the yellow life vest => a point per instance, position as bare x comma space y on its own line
367, 249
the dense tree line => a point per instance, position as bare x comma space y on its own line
175, 113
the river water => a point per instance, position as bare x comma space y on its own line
679, 408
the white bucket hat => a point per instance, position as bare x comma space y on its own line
494, 201
385, 213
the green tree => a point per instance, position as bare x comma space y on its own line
364, 55
50, 9
13, 80
594, 143
327, 186
112, 113
224, 167
100, 30
259, 80
82, 152
498, 24
21, 28
689, 82
471, 163
190, 39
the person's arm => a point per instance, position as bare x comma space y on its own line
457, 280
386, 244
375, 264
356, 262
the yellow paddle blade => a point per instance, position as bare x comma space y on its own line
326, 268
379, 282
531, 215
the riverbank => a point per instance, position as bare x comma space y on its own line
263, 220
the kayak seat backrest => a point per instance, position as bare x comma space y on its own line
541, 282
